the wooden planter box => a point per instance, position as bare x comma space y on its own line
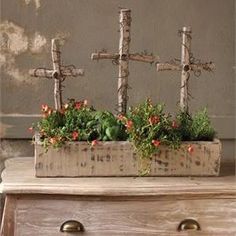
119, 159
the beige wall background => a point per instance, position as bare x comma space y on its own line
27, 26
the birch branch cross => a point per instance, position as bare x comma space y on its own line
58, 73
186, 65
122, 58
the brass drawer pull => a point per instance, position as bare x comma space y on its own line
189, 224
72, 226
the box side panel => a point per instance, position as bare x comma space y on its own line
119, 159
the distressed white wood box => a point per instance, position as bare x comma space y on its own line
119, 159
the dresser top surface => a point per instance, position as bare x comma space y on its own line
19, 178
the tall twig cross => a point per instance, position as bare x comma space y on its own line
187, 64
122, 58
58, 73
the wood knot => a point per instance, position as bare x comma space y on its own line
55, 75
186, 68
124, 57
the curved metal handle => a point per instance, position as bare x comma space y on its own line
189, 224
72, 226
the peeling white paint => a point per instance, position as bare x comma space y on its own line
13, 38
38, 43
13, 42
8, 65
36, 2
17, 74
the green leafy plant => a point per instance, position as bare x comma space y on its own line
76, 121
195, 128
201, 127
147, 126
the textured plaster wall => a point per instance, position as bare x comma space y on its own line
85, 26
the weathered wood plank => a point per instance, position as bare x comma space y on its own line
44, 216
119, 159
19, 177
115, 56
8, 218
65, 71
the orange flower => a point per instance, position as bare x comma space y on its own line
48, 113
174, 124
121, 117
154, 120
53, 140
156, 143
75, 135
129, 124
44, 108
190, 149
94, 142
78, 105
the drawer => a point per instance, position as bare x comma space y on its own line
36, 216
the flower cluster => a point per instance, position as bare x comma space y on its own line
46, 110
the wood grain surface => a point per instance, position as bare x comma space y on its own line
19, 177
44, 216
119, 159
115, 206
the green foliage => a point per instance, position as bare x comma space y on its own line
201, 127
150, 128
195, 128
78, 122
184, 120
147, 126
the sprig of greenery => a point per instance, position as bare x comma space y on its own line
195, 128
151, 127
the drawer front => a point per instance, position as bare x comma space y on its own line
36, 217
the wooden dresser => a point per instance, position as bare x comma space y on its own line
115, 206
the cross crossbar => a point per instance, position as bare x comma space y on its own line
186, 65
58, 73
123, 57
